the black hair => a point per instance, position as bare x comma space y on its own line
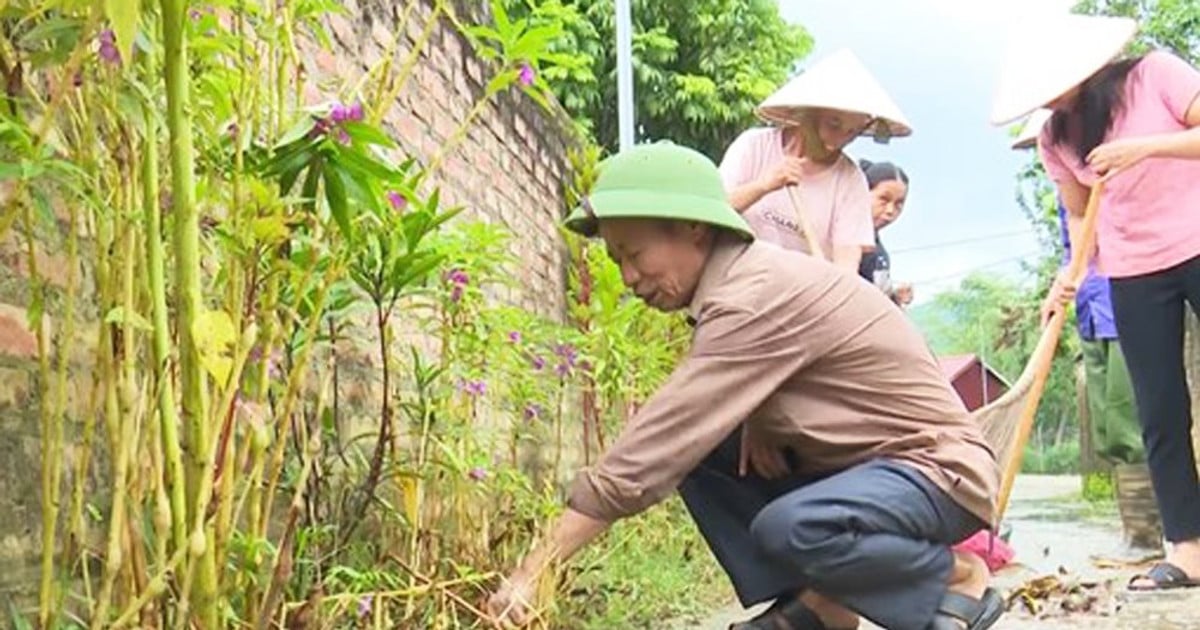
879, 172
1101, 99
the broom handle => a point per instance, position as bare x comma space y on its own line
814, 246
1043, 354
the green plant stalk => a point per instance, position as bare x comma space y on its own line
299, 370
154, 588
410, 62
201, 542
261, 384
453, 141
125, 438
78, 523
283, 559
50, 448
168, 418
187, 279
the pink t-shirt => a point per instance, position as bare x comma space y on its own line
1149, 215
836, 200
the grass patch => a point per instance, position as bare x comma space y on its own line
649, 570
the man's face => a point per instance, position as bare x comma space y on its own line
660, 261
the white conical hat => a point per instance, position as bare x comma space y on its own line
841, 82
1048, 57
1028, 137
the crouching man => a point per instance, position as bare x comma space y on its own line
835, 466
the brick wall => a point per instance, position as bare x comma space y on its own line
508, 171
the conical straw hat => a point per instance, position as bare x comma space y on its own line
1052, 55
839, 82
1028, 137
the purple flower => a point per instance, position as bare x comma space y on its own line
526, 75
478, 474
195, 14
456, 293
566, 352
399, 202
339, 114
343, 137
459, 277
514, 336
355, 112
475, 388
562, 370
108, 47
233, 130
364, 606
538, 363
532, 412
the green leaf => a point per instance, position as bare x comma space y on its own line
123, 15
269, 229
17, 620
215, 335
335, 195
357, 162
132, 319
56, 29
297, 132
368, 134
309, 191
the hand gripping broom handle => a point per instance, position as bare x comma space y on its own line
806, 228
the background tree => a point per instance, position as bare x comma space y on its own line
699, 67
1171, 24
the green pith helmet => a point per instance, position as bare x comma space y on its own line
658, 181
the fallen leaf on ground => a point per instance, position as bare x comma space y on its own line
1061, 595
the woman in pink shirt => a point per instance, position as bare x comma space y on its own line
1135, 124
816, 115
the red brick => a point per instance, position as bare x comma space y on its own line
326, 63
16, 339
343, 30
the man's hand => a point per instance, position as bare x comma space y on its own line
903, 295
511, 605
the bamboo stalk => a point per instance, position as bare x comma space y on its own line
167, 414
123, 403
187, 298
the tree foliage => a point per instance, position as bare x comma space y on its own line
1169, 24
699, 67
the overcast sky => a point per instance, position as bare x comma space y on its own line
939, 59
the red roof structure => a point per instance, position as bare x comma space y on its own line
976, 383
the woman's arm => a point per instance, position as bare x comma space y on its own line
1074, 197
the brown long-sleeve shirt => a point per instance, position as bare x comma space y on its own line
811, 358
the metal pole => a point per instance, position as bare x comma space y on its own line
624, 74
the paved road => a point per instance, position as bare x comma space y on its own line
1053, 530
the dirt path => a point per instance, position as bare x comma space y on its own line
1055, 532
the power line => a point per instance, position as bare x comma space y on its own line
963, 241
972, 270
